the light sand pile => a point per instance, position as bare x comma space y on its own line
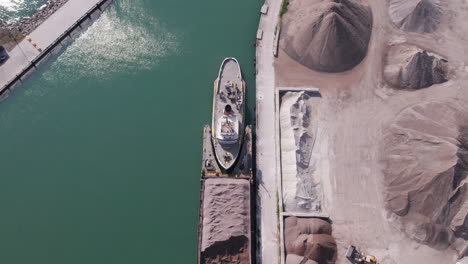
425, 167
420, 16
309, 240
302, 190
226, 221
330, 36
409, 67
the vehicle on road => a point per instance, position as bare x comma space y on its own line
3, 55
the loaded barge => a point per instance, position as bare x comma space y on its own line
225, 212
228, 113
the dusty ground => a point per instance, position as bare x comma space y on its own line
355, 109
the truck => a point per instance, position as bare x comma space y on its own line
356, 257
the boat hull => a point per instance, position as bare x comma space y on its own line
227, 128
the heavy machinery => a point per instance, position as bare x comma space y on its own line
357, 257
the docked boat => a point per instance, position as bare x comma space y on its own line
228, 125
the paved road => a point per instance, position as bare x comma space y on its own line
267, 167
20, 58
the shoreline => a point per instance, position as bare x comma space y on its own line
27, 25
21, 28
267, 159
57, 31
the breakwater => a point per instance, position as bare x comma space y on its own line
65, 25
26, 24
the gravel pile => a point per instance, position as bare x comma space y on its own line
329, 36
226, 221
420, 16
425, 157
409, 67
309, 241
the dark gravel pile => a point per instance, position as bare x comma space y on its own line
423, 71
425, 18
331, 36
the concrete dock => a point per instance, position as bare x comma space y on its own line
267, 153
49, 37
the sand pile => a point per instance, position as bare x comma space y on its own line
330, 36
298, 122
425, 156
420, 16
226, 221
409, 67
309, 240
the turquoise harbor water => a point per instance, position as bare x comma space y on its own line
12, 10
101, 148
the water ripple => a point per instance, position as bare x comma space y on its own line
14, 10
123, 41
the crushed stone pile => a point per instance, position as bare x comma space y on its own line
330, 36
425, 157
413, 68
302, 189
226, 221
309, 240
423, 71
420, 16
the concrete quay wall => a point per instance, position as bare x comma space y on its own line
57, 31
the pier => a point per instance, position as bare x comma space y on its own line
267, 152
48, 38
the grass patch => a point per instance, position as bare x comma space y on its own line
284, 7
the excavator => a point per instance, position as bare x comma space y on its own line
356, 257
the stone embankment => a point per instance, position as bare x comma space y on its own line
53, 28
27, 25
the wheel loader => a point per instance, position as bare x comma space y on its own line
356, 257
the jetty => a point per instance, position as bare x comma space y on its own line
225, 214
267, 152
57, 31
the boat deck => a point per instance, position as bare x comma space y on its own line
243, 168
217, 224
229, 90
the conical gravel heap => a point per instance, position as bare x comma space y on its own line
410, 67
422, 71
420, 16
331, 36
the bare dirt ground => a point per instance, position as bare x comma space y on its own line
355, 109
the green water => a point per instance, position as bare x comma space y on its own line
101, 148
13, 10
